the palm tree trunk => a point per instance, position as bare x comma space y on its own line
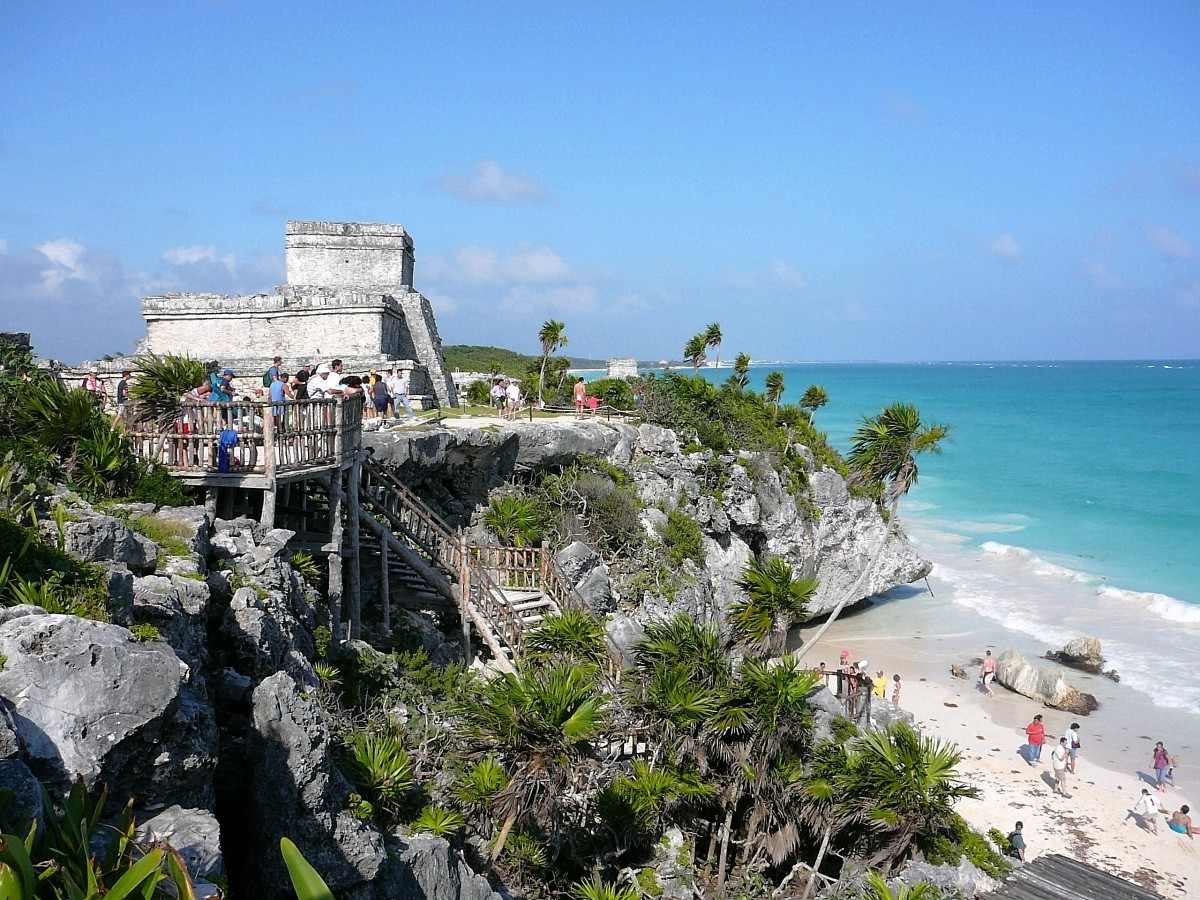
812, 878
502, 837
542, 377
725, 829
853, 592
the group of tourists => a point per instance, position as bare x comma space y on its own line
505, 397
98, 390
856, 686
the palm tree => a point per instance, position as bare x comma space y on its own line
552, 336
572, 635
905, 784
884, 454
741, 370
650, 796
814, 398
774, 388
693, 351
161, 382
713, 338
775, 599
542, 721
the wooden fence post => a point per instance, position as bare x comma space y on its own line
385, 588
355, 571
335, 556
464, 597
267, 519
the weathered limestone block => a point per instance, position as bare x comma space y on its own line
194, 833
98, 538
1044, 685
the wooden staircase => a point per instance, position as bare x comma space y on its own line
502, 592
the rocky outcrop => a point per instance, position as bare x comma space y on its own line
89, 700
194, 833
433, 870
1085, 654
298, 792
24, 793
1046, 686
178, 608
94, 537
588, 574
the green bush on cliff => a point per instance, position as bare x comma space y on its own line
683, 539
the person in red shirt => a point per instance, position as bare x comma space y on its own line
1035, 731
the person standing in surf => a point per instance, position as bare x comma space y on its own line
987, 673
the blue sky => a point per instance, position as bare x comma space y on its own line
945, 181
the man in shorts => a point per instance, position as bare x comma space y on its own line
580, 397
512, 395
1058, 761
987, 673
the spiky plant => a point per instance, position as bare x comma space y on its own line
477, 787
516, 520
877, 889
330, 675
379, 766
161, 383
683, 642
650, 796
438, 821
56, 416
775, 599
905, 784
595, 888
541, 720
571, 635
104, 462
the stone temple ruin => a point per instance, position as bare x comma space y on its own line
348, 295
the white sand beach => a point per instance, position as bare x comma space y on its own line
920, 637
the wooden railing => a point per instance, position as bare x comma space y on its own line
271, 437
527, 569
389, 496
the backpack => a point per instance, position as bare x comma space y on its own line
268, 377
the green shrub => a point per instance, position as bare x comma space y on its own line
41, 573
516, 520
648, 882
683, 539
843, 729
378, 765
322, 638
612, 511
438, 821
306, 567
145, 632
3, 661
480, 784
961, 840
1000, 840
154, 484
478, 393
173, 538
614, 392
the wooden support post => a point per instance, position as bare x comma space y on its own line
355, 587
210, 501
335, 556
385, 588
544, 570
464, 596
267, 519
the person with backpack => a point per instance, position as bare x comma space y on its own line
220, 386
272, 373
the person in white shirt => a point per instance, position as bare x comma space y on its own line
1073, 745
1145, 812
1059, 759
513, 393
318, 384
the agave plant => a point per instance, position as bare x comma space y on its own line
775, 599
596, 888
571, 635
161, 382
515, 520
438, 821
478, 786
380, 768
104, 461
877, 889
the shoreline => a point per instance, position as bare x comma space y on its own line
921, 636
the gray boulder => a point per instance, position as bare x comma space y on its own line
1046, 686
1085, 654
587, 573
120, 593
98, 538
964, 880
178, 607
431, 869
89, 700
194, 833
10, 744
298, 792
8, 613
576, 560
265, 636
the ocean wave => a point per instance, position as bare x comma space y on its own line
1036, 564
1162, 605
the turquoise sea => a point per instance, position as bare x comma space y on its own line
1066, 501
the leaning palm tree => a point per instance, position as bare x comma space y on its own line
161, 382
905, 784
552, 336
713, 338
814, 398
774, 388
541, 720
884, 455
775, 600
741, 370
693, 351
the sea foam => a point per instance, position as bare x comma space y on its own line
1162, 605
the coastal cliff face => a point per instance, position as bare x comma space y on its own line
738, 500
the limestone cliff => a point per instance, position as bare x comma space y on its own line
738, 500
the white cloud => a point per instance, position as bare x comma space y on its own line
787, 275
1006, 247
537, 265
197, 254
488, 182
1101, 276
474, 264
1169, 243
66, 259
569, 298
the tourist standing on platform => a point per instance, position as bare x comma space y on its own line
123, 393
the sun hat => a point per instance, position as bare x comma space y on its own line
323, 369
227, 371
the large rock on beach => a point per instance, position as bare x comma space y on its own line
1085, 654
1046, 686
89, 700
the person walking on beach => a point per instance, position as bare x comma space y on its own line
1016, 842
987, 673
896, 689
1181, 823
1145, 812
1162, 764
1035, 733
1073, 744
1058, 759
